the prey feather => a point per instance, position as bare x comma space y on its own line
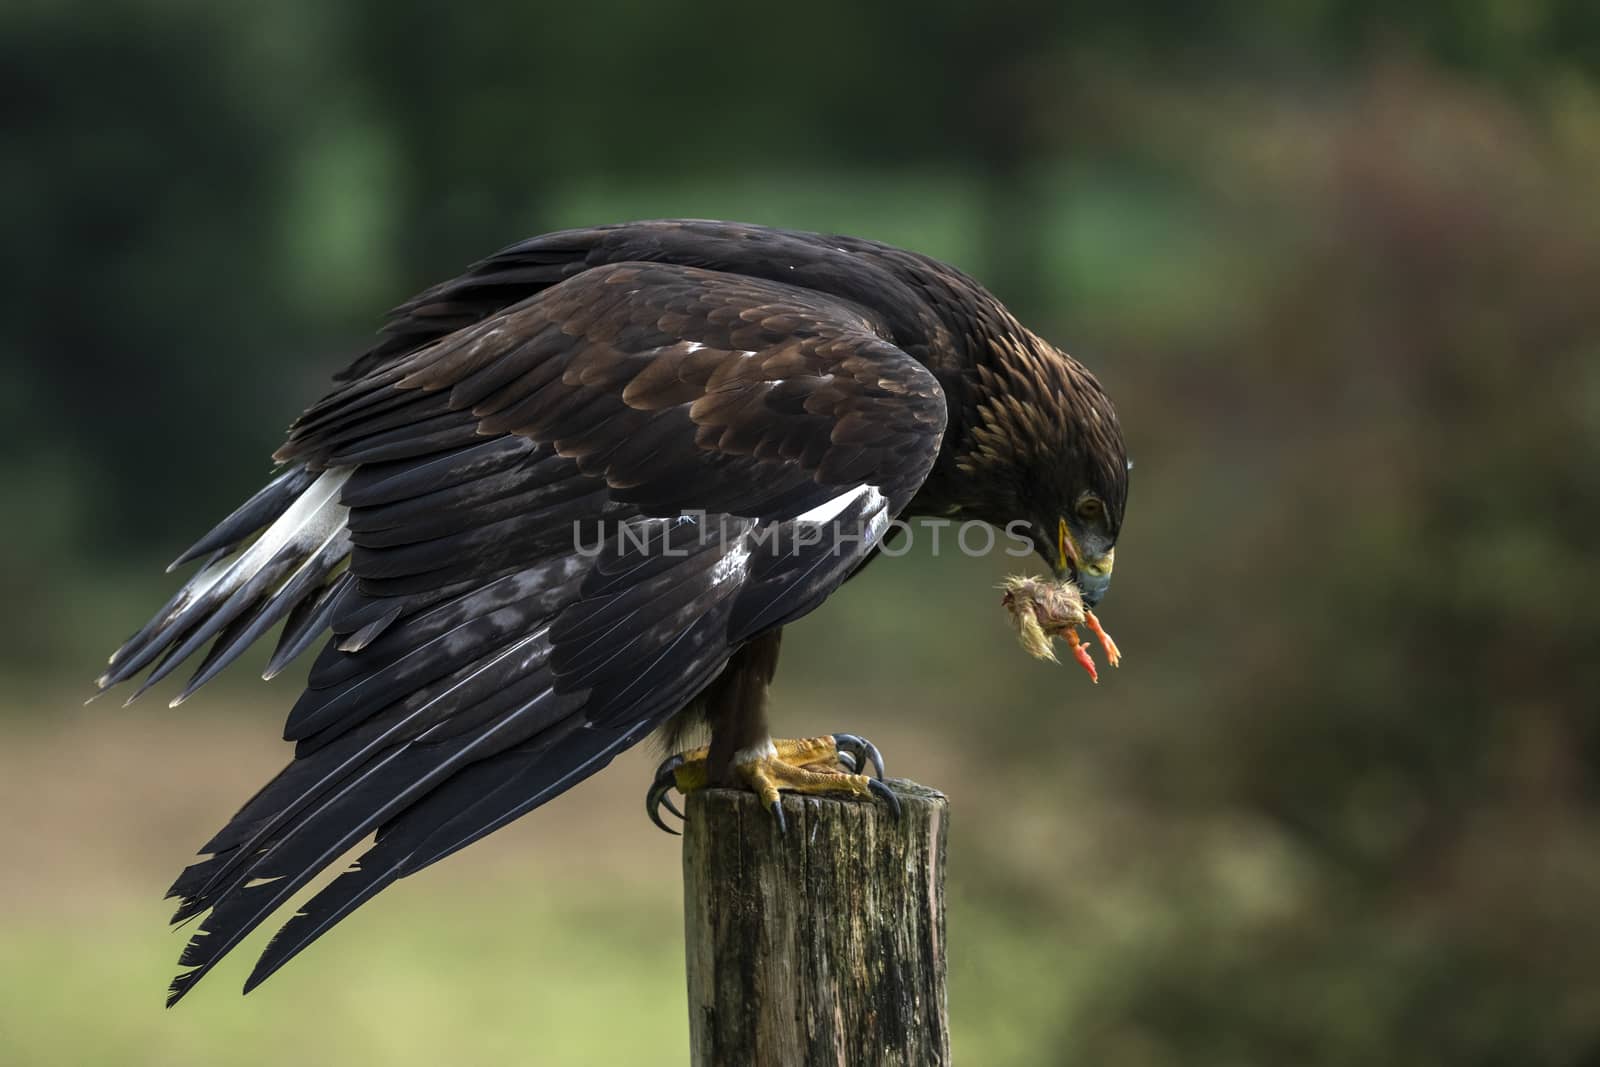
1043, 610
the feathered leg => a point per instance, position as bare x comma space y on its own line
743, 754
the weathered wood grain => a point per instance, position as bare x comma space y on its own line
823, 946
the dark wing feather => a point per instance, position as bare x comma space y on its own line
485, 654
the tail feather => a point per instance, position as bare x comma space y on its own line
244, 631
306, 621
492, 793
247, 585
277, 810
339, 822
260, 510
155, 636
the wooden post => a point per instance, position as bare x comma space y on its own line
823, 946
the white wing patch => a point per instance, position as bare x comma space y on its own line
831, 508
733, 566
879, 518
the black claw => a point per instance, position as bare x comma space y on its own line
777, 816
666, 802
658, 796
887, 794
846, 760
862, 750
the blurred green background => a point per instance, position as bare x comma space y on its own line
1338, 265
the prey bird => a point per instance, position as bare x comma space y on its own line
571, 498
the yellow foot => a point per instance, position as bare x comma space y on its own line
826, 764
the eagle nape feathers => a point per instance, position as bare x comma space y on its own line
560, 504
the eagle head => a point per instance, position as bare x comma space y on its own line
1045, 448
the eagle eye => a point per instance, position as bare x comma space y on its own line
1090, 508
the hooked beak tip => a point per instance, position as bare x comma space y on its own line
1093, 587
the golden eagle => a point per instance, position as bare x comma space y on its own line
572, 497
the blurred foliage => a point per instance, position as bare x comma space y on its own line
1337, 263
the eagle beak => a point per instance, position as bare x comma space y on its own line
1094, 585
1066, 551
1093, 577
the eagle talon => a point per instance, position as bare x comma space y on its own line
879, 789
777, 817
666, 802
860, 750
683, 772
658, 796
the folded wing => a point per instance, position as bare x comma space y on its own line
533, 540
